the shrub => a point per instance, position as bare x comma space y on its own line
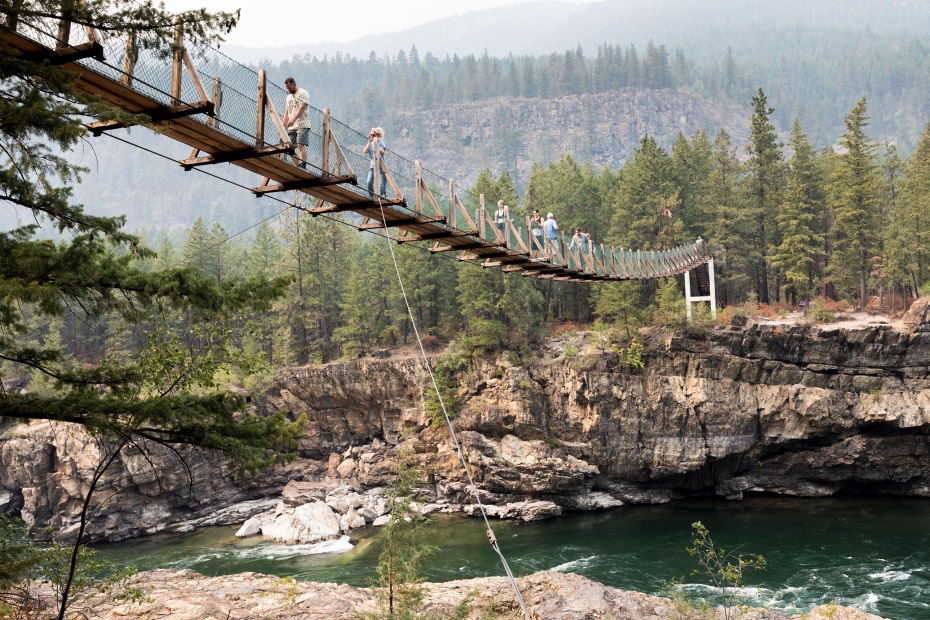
632, 356
724, 568
670, 306
445, 371
819, 312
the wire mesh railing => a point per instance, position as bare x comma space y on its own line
152, 69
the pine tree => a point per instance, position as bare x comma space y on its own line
93, 270
800, 219
480, 291
93, 265
764, 184
692, 162
728, 222
907, 232
645, 205
856, 200
196, 247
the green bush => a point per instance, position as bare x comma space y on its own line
818, 311
445, 371
702, 321
670, 311
632, 356
723, 568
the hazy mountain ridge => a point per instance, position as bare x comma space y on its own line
698, 28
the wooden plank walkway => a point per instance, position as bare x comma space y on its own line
229, 125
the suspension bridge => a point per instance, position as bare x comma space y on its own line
226, 113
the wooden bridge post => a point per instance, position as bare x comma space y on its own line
176, 65
326, 140
214, 120
129, 64
418, 196
260, 113
482, 214
452, 199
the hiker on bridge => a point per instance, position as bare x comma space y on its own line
375, 141
536, 226
501, 217
580, 241
297, 119
552, 230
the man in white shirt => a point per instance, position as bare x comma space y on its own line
297, 119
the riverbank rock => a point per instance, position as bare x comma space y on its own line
186, 595
309, 523
523, 511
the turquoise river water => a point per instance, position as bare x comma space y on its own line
869, 553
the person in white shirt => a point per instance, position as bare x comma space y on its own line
501, 217
297, 120
376, 143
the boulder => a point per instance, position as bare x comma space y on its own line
917, 317
309, 523
343, 498
346, 468
352, 520
296, 493
251, 527
531, 510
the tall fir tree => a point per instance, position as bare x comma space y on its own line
799, 255
692, 162
855, 196
643, 209
907, 231
728, 223
763, 186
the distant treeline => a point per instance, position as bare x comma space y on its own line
814, 75
365, 89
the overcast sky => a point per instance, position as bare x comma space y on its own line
270, 23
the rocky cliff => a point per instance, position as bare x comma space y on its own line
459, 141
765, 408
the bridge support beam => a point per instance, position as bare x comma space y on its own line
711, 297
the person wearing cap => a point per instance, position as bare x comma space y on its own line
375, 141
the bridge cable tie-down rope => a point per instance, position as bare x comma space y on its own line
492, 539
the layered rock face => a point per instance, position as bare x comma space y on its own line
769, 408
798, 410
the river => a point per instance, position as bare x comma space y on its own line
869, 553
